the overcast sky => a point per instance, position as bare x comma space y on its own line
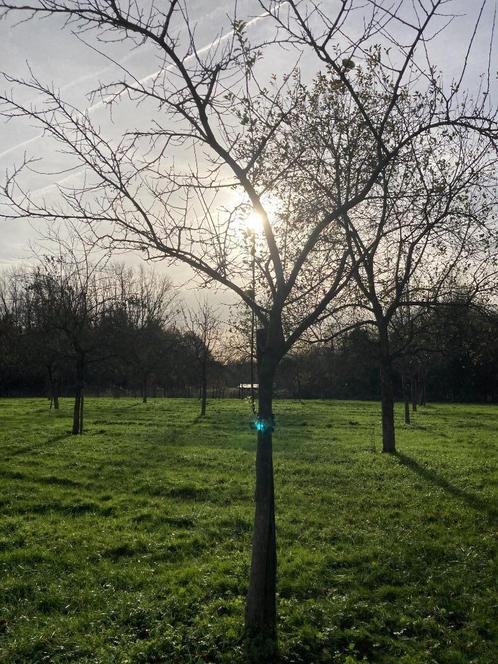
58, 57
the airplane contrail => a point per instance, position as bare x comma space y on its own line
155, 74
48, 187
20, 145
101, 104
67, 86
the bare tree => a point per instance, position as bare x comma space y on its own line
428, 223
203, 334
69, 295
218, 149
43, 340
147, 303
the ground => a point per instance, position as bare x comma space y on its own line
131, 543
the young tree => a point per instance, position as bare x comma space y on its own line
69, 296
202, 334
430, 210
218, 149
429, 220
44, 342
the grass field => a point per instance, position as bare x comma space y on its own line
131, 543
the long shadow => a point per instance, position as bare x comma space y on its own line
36, 448
477, 503
50, 479
131, 405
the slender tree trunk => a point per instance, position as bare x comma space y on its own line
76, 413
82, 402
50, 386
53, 388
78, 399
203, 386
421, 389
414, 394
298, 385
406, 399
261, 615
145, 388
387, 394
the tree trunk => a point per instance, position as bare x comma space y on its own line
421, 390
82, 402
78, 399
203, 386
261, 615
76, 412
144, 389
406, 399
298, 385
53, 388
387, 394
414, 394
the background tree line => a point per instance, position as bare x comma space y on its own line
70, 326
456, 360
121, 331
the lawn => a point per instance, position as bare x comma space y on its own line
131, 543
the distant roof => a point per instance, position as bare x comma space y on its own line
247, 386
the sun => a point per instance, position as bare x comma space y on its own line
254, 223
250, 222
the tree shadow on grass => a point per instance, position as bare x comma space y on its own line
488, 507
37, 448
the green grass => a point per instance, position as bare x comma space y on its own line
131, 544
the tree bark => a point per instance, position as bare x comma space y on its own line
261, 615
387, 394
145, 388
